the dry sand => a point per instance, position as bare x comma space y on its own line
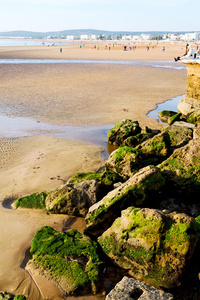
69, 94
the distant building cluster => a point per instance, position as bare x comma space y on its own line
186, 37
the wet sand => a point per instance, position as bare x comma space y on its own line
75, 94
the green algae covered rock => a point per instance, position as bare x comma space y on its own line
182, 170
134, 141
118, 133
152, 245
126, 161
35, 200
164, 115
174, 118
143, 186
105, 179
70, 260
178, 136
194, 117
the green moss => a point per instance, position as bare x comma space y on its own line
80, 177
121, 152
59, 254
20, 297
36, 200
174, 118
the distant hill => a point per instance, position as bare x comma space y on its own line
78, 32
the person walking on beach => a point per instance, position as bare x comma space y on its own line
189, 53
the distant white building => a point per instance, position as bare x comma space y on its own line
70, 37
145, 37
94, 37
85, 37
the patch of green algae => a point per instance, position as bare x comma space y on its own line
60, 255
36, 200
105, 178
152, 248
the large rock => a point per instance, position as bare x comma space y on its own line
130, 288
179, 136
164, 115
126, 161
182, 170
118, 133
69, 260
142, 186
152, 245
71, 199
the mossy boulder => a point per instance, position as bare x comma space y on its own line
35, 200
118, 133
182, 171
134, 141
71, 199
152, 245
70, 260
194, 117
106, 180
126, 161
178, 136
164, 115
143, 186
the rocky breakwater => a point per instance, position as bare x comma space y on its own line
142, 215
191, 100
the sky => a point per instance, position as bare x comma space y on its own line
114, 15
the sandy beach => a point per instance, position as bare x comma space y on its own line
75, 95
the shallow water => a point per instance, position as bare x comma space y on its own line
155, 64
167, 105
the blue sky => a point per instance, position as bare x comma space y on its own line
124, 15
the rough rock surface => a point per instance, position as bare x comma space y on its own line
152, 245
191, 100
194, 117
70, 260
179, 136
182, 170
126, 161
72, 199
118, 133
130, 288
139, 188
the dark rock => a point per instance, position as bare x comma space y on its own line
174, 118
130, 288
121, 131
178, 136
126, 161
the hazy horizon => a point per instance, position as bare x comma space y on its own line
110, 15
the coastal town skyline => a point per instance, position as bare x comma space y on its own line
127, 15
